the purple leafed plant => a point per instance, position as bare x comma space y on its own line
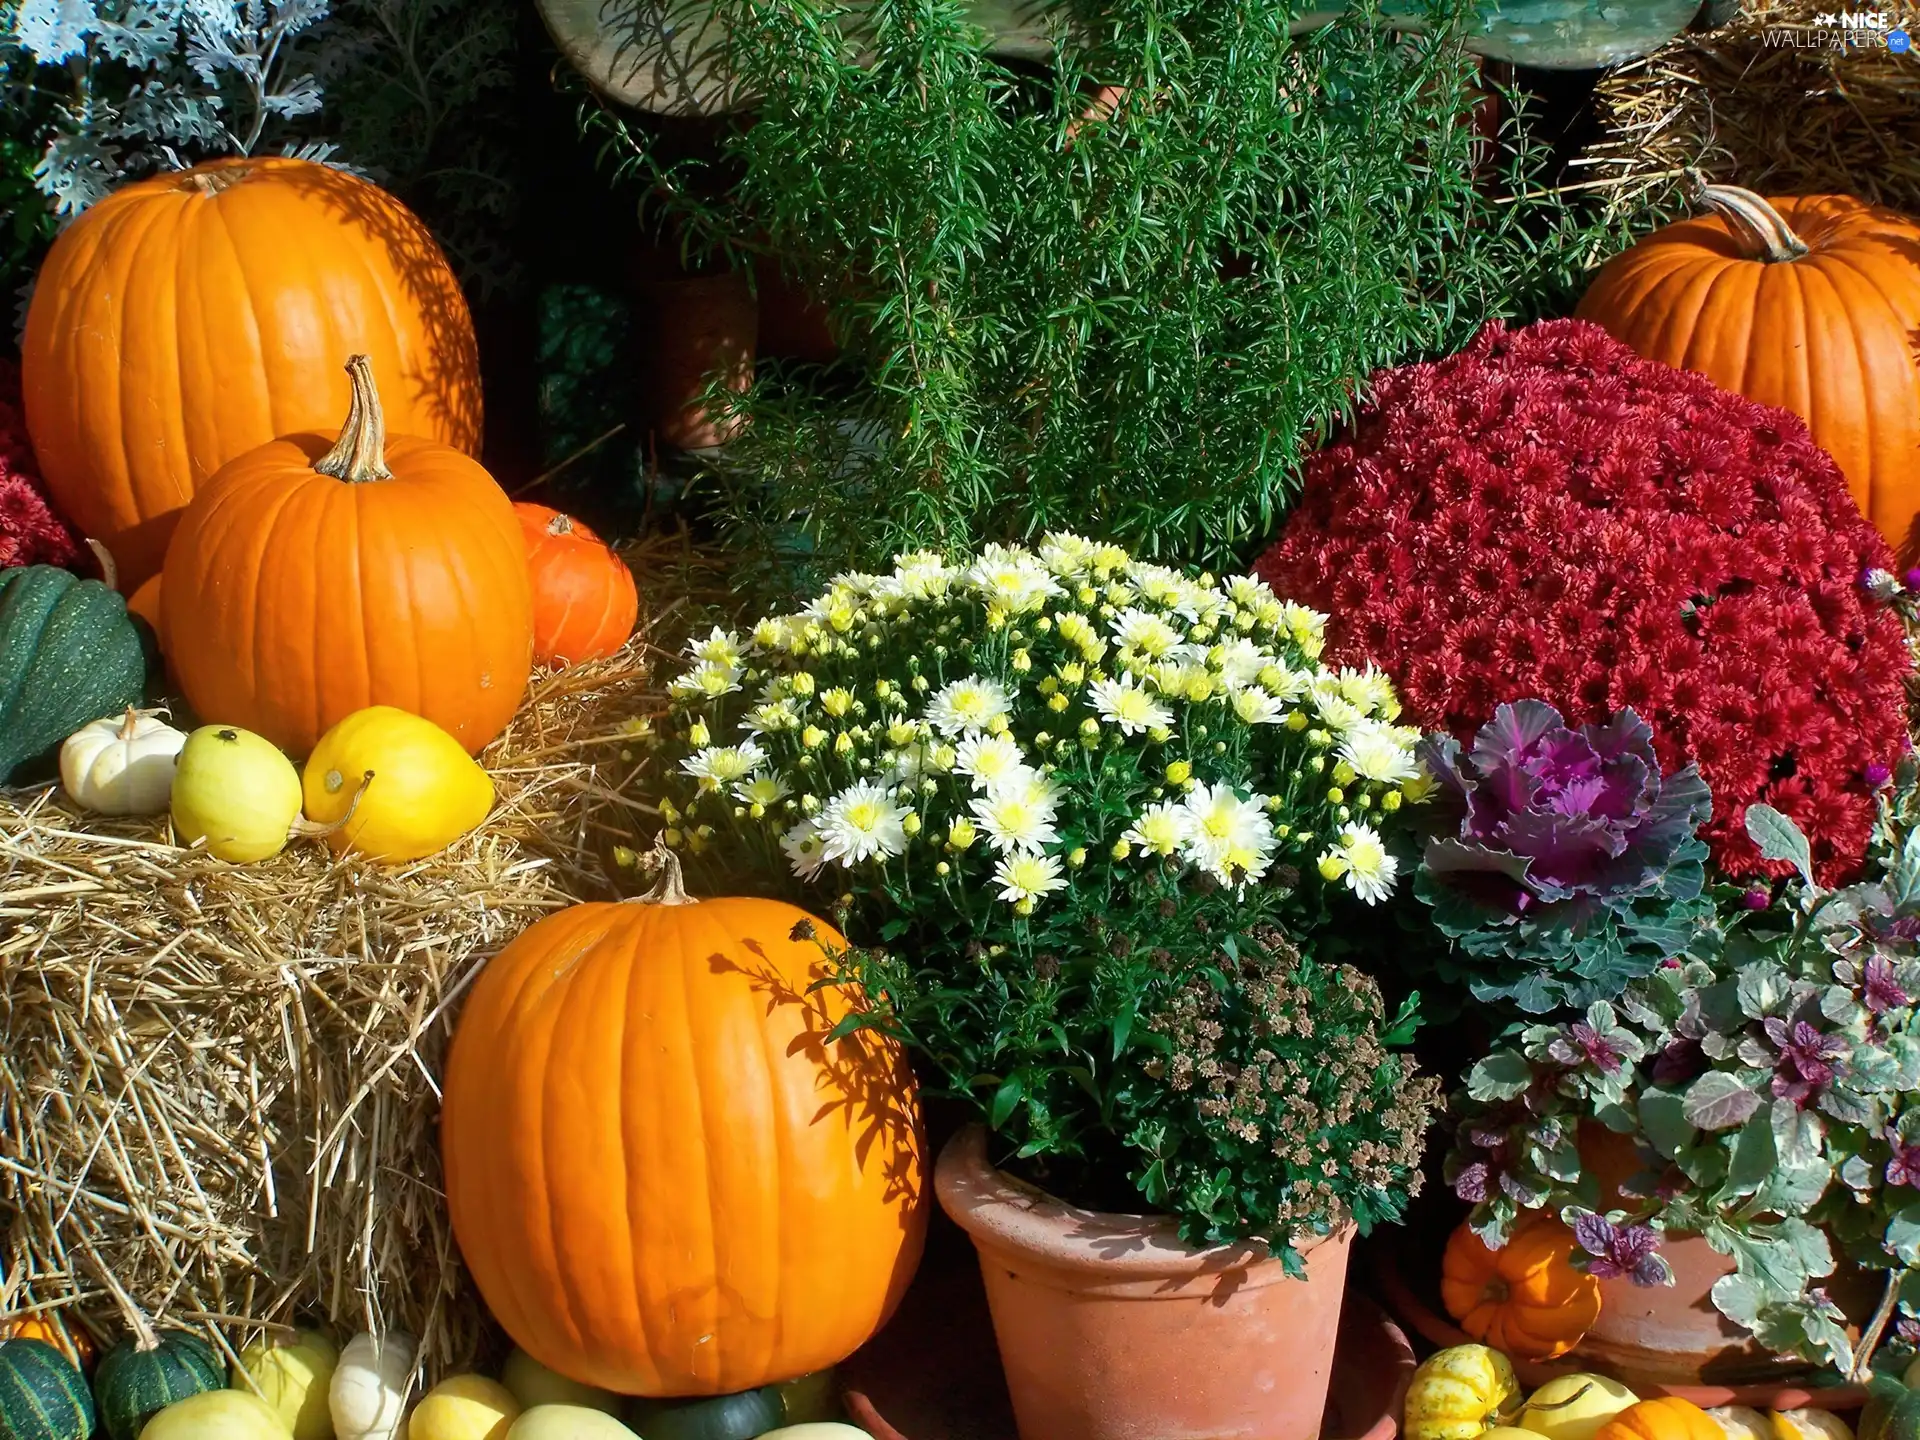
1617, 1250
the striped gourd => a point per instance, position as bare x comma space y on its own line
42, 1395
140, 1378
68, 655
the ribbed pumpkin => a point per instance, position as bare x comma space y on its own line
1665, 1418
1810, 303
1523, 1299
69, 1339
584, 601
309, 580
68, 655
141, 1376
193, 317
42, 1395
663, 1178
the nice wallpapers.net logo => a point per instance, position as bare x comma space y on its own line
1852, 30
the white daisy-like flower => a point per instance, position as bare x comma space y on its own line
1067, 555
1239, 661
1019, 816
723, 647
1184, 680
1161, 829
1283, 683
1257, 707
1076, 630
806, 852
922, 575
1146, 633
1013, 579
706, 680
1362, 859
766, 790
1250, 592
1159, 583
1376, 752
992, 762
1227, 836
1371, 691
1024, 879
1337, 712
1125, 704
771, 716
718, 766
780, 632
1307, 627
964, 706
863, 822
1200, 604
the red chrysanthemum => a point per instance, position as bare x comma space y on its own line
1546, 515
30, 532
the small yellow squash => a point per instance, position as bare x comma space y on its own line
1574, 1407
1739, 1422
292, 1373
122, 765
465, 1407
534, 1384
1460, 1394
235, 791
217, 1415
422, 791
568, 1422
1809, 1425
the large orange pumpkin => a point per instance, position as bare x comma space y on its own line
1811, 303
584, 601
1665, 1418
1523, 1299
188, 319
311, 579
663, 1177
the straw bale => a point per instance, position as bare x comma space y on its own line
1759, 103
218, 1093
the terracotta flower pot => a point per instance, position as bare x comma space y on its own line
701, 324
1111, 1329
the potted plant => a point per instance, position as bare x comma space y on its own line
1084, 819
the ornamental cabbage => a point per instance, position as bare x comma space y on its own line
1560, 861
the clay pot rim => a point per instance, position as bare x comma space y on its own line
1002, 1211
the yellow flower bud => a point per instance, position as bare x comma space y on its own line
1390, 801
1297, 721
1049, 686
813, 737
1121, 849
1364, 800
997, 725
1022, 660
1317, 764
1344, 774
1090, 726
674, 837
1332, 867
1160, 734
1179, 773
911, 823
1043, 624
809, 804
669, 811
883, 688
943, 869
625, 858
1023, 907
1073, 672
802, 683
1085, 594
1057, 703
1335, 795
698, 734
1077, 856
961, 834
920, 684
843, 744
739, 812
901, 732
757, 810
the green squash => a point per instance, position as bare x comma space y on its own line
721, 1417
811, 1398
1892, 1413
133, 1384
69, 654
42, 1395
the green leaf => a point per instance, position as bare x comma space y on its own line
1754, 1156
1719, 1101
1796, 1134
1903, 1236
1500, 1076
1663, 1121
1779, 839
1005, 1100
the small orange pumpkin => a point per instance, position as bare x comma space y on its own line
1664, 1418
306, 583
70, 1340
1524, 1299
584, 600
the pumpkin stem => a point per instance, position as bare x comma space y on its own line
671, 887
560, 525
109, 572
1761, 232
1575, 1398
361, 453
130, 724
313, 829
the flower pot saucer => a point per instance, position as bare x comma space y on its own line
934, 1373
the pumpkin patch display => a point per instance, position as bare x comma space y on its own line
373, 571
292, 1373
1806, 302
224, 297
143, 1375
397, 787
707, 1269
43, 1396
1461, 1393
1523, 1299
68, 655
122, 765
584, 600
1664, 1418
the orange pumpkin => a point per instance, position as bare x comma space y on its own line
584, 601
1665, 1418
663, 1177
1523, 1299
1810, 303
70, 1340
309, 581
188, 319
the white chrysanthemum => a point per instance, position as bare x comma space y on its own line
1159, 583
1371, 691
806, 852
1307, 627
718, 766
1161, 829
1251, 593
1283, 683
1076, 630
992, 762
1239, 661
862, 822
706, 680
1067, 555
1200, 604
1360, 857
1146, 633
922, 575
964, 706
784, 633
1184, 680
1376, 752
723, 648
1229, 837
1019, 817
1257, 707
773, 715
1024, 879
765, 790
1013, 579
1125, 704
1336, 712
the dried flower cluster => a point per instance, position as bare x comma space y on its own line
1547, 516
30, 532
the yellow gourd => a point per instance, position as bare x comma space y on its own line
1460, 1394
217, 1415
534, 1384
465, 1407
1809, 1425
1574, 1407
1738, 1422
236, 792
422, 791
568, 1422
292, 1373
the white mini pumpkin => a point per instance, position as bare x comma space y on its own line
368, 1393
122, 765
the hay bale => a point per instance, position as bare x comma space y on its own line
218, 1092
1755, 103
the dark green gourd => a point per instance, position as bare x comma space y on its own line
69, 654
42, 1395
721, 1417
139, 1378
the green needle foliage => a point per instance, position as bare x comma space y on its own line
1124, 312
